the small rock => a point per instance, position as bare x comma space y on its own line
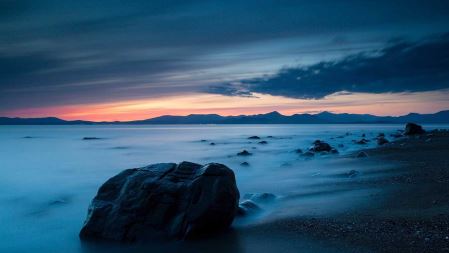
353, 173
362, 141
270, 136
382, 140
245, 164
341, 145
203, 140
91, 138
320, 146
248, 207
212, 144
334, 151
263, 142
244, 153
362, 154
27, 137
298, 151
308, 154
255, 137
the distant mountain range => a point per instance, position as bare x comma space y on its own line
268, 118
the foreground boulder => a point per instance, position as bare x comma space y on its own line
413, 129
165, 200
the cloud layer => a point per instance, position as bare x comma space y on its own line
399, 67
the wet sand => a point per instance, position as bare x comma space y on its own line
410, 214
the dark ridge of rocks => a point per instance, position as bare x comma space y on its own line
255, 137
413, 129
165, 200
244, 153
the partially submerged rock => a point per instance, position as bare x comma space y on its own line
91, 138
298, 151
244, 153
362, 141
260, 197
362, 154
165, 200
245, 164
320, 146
308, 154
413, 129
255, 137
248, 207
382, 140
352, 173
263, 142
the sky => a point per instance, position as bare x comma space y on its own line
126, 60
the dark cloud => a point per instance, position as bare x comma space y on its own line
60, 52
399, 67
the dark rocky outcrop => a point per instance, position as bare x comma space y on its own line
164, 200
320, 146
413, 129
255, 137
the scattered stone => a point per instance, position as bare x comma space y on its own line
263, 142
413, 129
363, 135
248, 207
163, 200
334, 151
245, 164
91, 138
320, 146
382, 140
308, 154
203, 140
362, 154
362, 141
270, 136
353, 173
298, 151
255, 137
396, 135
260, 197
212, 144
244, 153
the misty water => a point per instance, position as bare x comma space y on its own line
49, 174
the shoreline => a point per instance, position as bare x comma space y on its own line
411, 215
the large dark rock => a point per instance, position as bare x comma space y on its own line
320, 146
163, 200
413, 129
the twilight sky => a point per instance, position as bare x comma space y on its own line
123, 60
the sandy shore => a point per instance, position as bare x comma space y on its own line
411, 215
